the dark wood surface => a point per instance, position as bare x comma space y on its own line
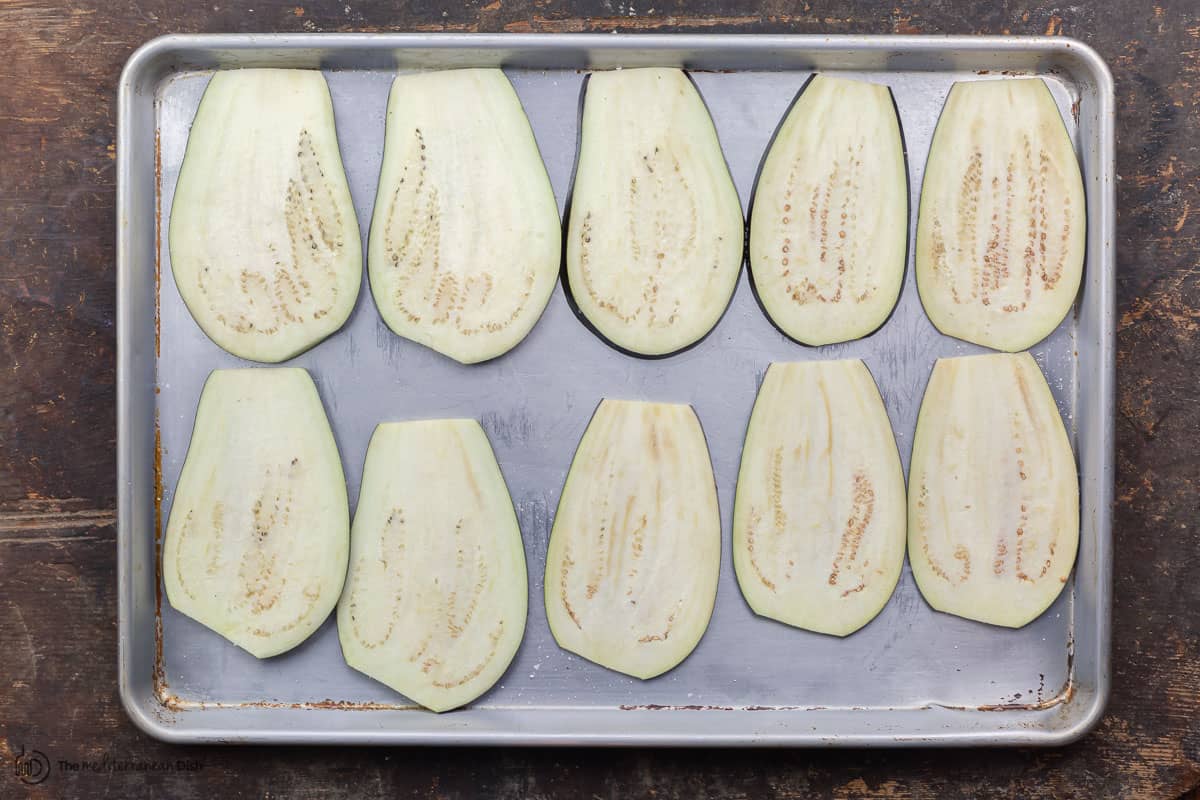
58, 695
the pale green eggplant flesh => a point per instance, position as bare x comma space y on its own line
258, 536
1001, 230
993, 492
263, 237
631, 570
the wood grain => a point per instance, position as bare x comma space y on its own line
57, 462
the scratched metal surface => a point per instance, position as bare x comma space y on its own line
911, 676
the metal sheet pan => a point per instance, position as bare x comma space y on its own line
911, 677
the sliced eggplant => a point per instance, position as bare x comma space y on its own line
259, 531
631, 571
829, 224
819, 519
993, 501
466, 240
1000, 234
264, 242
435, 603
654, 244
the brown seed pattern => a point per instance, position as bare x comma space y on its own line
1037, 222
1006, 267
268, 301
995, 254
779, 517
185, 532
260, 567
862, 509
666, 631
751, 537
459, 615
616, 538
391, 560
637, 543
663, 240
563, 571
311, 594
266, 557
458, 295
1050, 277
857, 523
455, 611
1001, 554
217, 534
961, 554
1024, 423
831, 279
937, 249
475, 671
604, 543
969, 197
1014, 544
421, 649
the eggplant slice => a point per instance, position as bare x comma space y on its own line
466, 240
819, 519
436, 599
264, 241
257, 541
631, 571
1000, 235
993, 503
654, 243
829, 222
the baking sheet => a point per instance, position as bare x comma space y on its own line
911, 676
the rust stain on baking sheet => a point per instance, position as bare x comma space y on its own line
158, 674
784, 708
169, 701
656, 707
177, 703
157, 239
173, 702
351, 705
1041, 705
1062, 698
158, 677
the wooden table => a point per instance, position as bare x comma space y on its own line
58, 74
